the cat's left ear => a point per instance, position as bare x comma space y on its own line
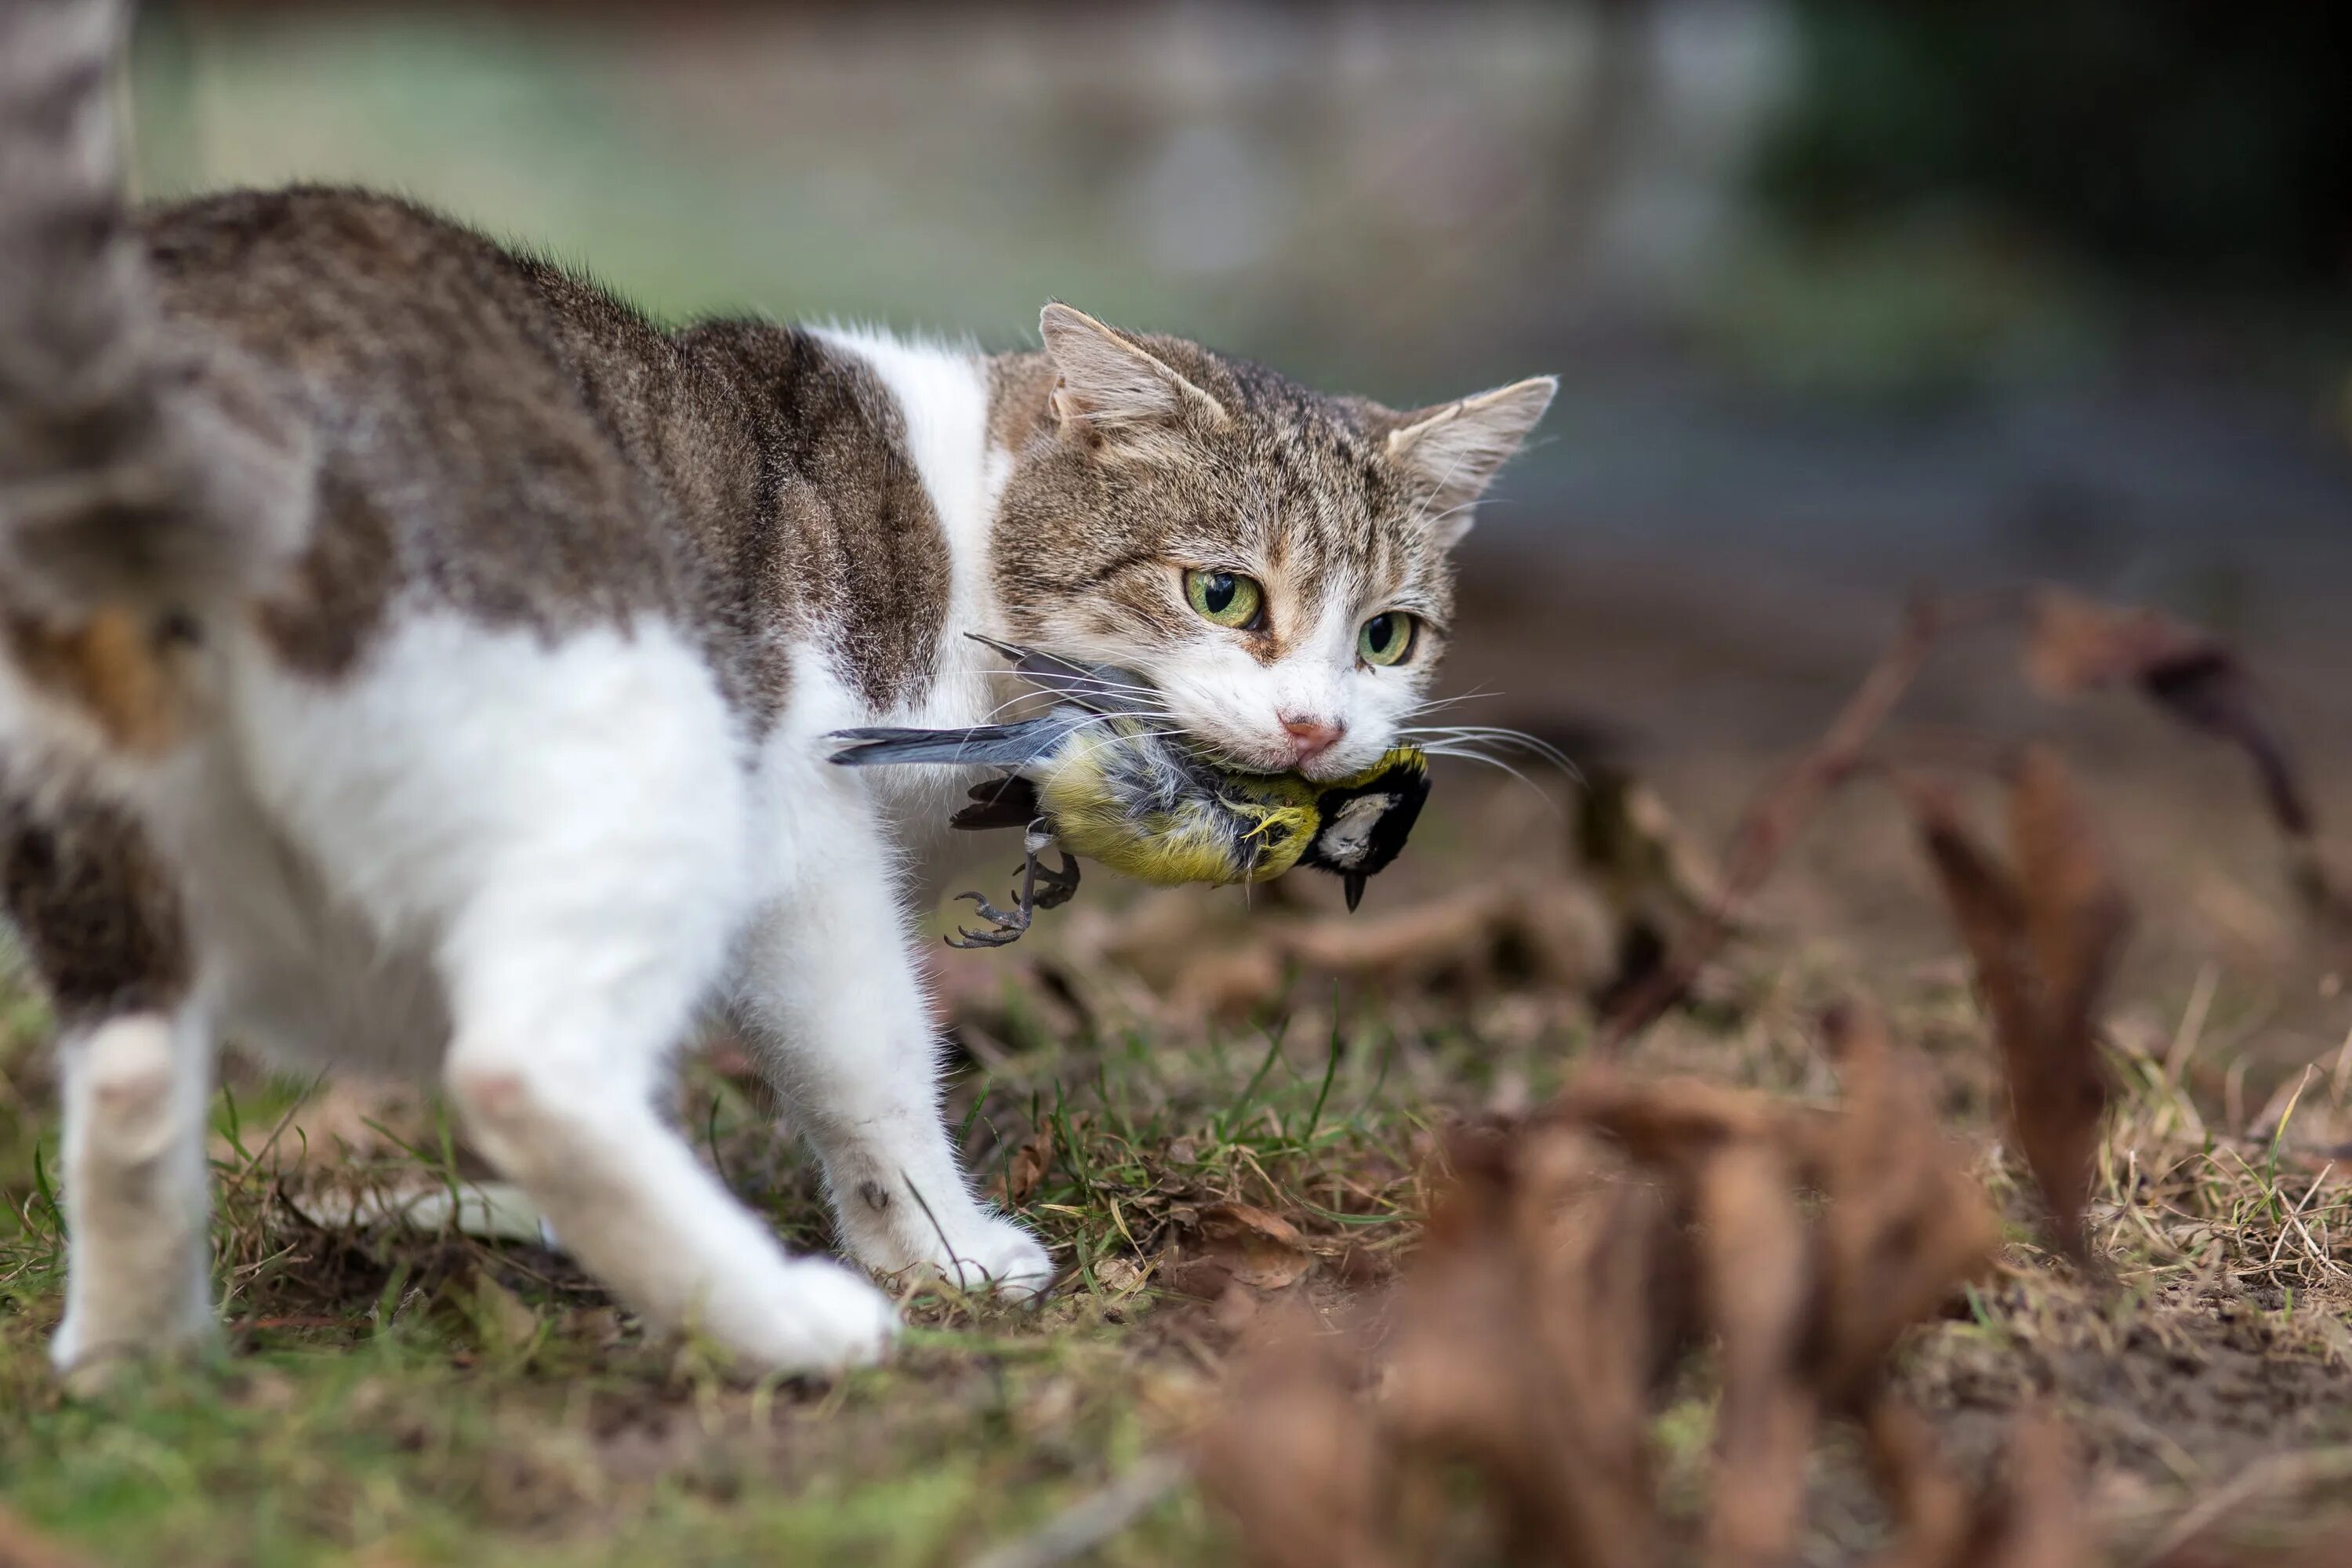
1451, 452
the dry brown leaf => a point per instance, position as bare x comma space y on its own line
1904, 1225
1468, 934
1016, 1183
1987, 908
1253, 1246
1668, 1123
1569, 1260
2075, 645
2036, 1519
2073, 922
1437, 933
1756, 1273
1933, 1510
1525, 1343
1297, 1462
2042, 942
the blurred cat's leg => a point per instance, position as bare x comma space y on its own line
137, 1259
100, 916
833, 998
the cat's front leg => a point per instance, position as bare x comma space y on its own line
833, 999
138, 1262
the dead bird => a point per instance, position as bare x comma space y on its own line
1101, 774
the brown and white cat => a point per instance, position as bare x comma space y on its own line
415, 659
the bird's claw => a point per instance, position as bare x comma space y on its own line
1005, 925
1040, 890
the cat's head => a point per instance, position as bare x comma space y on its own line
1275, 561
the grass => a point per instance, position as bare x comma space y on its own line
394, 1397
405, 1398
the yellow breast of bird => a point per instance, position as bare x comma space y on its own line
1244, 830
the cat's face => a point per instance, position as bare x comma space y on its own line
1276, 563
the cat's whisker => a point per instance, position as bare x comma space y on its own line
1486, 742
1474, 735
1432, 705
1500, 767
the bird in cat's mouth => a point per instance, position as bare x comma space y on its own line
1100, 776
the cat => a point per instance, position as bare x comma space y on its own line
414, 660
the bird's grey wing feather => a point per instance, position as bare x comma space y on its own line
1101, 687
985, 745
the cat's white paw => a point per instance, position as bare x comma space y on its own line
826, 1319
87, 1359
973, 1250
997, 1254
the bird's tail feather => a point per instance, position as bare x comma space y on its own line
138, 474
1097, 686
986, 745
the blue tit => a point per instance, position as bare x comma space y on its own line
1099, 775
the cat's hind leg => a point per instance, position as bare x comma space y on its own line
138, 1260
833, 998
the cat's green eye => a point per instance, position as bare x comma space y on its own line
1225, 599
1386, 639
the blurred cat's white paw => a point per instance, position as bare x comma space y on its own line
827, 1320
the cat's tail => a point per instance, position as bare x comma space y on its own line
145, 480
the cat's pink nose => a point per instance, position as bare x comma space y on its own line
1311, 738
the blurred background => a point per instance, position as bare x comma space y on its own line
1845, 297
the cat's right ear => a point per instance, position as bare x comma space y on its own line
1108, 385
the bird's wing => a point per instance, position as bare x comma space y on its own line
1009, 801
985, 745
1101, 687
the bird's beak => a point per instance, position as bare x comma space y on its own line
1354, 881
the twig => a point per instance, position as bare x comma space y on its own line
1092, 1520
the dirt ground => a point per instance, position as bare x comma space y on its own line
1223, 1113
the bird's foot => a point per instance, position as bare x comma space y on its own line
1004, 926
1040, 890
1056, 888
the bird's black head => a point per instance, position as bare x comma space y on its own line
1362, 822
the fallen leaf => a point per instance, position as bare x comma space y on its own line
1755, 1270
1295, 1462
1525, 1341
2074, 919
2036, 1518
1903, 1224
2042, 941
2076, 645
1255, 1247
1016, 1183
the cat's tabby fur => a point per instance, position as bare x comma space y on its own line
417, 660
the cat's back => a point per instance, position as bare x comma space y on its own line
341, 285
461, 459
